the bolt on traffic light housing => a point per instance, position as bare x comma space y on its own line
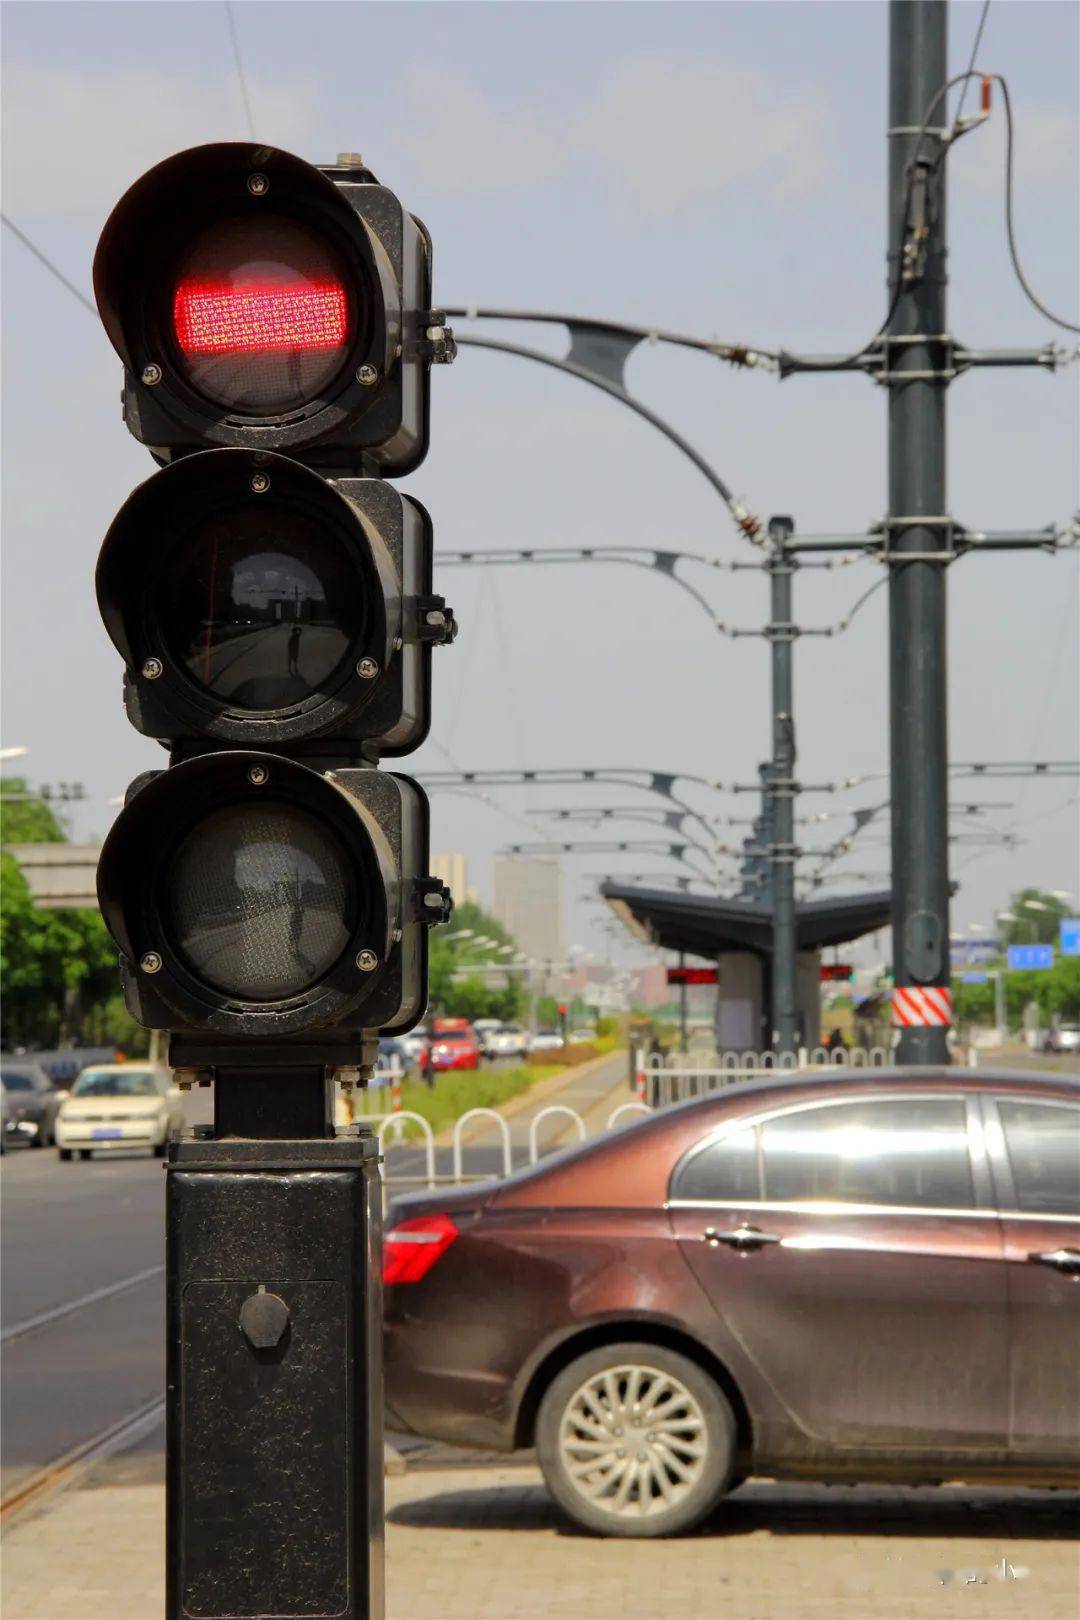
256, 901
258, 604
263, 303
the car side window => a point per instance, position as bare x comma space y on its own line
906, 1152
722, 1171
1043, 1144
18, 1082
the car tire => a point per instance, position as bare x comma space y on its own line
161, 1148
684, 1465
39, 1139
64, 1153
84, 1153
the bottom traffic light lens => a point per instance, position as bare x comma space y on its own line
259, 902
262, 605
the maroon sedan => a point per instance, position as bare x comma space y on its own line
854, 1276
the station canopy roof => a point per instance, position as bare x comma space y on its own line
708, 925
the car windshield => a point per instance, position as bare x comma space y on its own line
17, 1082
510, 1029
453, 1036
115, 1083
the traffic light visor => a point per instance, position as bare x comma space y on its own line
244, 293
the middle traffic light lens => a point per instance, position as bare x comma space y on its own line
262, 606
258, 901
261, 315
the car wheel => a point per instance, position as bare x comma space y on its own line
39, 1139
636, 1440
84, 1153
63, 1153
161, 1149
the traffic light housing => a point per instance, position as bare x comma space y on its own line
262, 303
257, 604
271, 597
259, 903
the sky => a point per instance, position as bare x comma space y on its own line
713, 168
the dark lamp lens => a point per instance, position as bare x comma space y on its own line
258, 901
261, 606
261, 315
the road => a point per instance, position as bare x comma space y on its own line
83, 1287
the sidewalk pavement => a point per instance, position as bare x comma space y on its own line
486, 1543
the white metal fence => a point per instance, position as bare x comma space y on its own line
390, 1132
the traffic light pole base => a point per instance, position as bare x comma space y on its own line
275, 1447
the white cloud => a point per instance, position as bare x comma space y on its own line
661, 131
74, 142
669, 130
461, 141
1046, 150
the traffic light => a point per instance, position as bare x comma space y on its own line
271, 598
256, 603
260, 303
273, 604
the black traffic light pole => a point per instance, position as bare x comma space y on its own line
274, 1444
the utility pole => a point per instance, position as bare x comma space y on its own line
782, 787
682, 1006
916, 372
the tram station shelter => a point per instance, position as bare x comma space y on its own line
737, 935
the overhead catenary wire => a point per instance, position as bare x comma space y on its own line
976, 42
43, 258
1010, 227
240, 74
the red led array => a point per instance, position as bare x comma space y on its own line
217, 318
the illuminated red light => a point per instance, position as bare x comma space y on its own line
218, 318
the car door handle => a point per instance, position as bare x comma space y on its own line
741, 1237
1067, 1260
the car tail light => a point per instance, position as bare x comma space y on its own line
411, 1249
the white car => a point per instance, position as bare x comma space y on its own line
119, 1105
546, 1040
484, 1029
506, 1040
413, 1045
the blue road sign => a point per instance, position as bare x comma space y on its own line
1070, 936
1029, 958
974, 978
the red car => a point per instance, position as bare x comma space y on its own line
454, 1045
853, 1276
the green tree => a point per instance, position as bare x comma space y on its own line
1037, 918
58, 968
453, 991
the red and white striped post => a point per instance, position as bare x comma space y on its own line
639, 1086
395, 1094
922, 1006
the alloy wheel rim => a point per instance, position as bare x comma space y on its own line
633, 1441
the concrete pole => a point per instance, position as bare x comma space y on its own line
782, 788
915, 360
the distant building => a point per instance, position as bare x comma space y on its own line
528, 903
450, 869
